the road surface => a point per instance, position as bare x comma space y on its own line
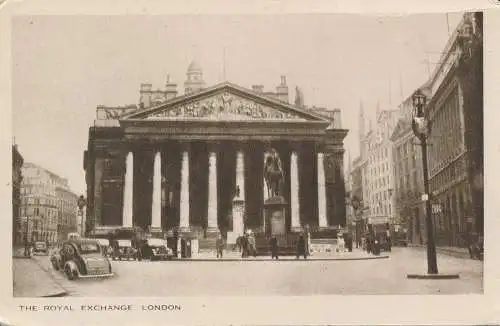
255, 278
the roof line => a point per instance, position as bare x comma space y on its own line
220, 86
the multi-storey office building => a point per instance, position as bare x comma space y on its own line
408, 178
17, 163
455, 151
48, 207
376, 167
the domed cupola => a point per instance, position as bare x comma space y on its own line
194, 78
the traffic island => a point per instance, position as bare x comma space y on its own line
211, 256
432, 276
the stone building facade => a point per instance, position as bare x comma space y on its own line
17, 177
378, 177
175, 164
48, 207
455, 112
455, 154
408, 177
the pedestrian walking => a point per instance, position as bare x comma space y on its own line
251, 244
388, 237
244, 245
301, 247
219, 244
274, 247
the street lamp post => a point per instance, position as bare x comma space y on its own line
81, 203
26, 242
420, 128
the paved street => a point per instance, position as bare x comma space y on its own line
186, 278
30, 280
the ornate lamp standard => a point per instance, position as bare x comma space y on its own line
421, 129
81, 203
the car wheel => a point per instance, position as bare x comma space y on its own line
71, 275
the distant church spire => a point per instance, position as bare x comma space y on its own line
362, 131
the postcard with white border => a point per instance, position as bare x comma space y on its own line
234, 163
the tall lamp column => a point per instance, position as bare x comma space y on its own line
421, 128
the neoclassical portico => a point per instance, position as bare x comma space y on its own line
181, 164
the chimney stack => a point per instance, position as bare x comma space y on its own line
170, 89
337, 122
145, 95
282, 90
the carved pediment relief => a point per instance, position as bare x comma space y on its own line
113, 113
224, 106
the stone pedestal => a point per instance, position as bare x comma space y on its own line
274, 216
212, 232
238, 215
156, 232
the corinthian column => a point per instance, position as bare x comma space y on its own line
184, 205
212, 191
264, 184
294, 191
323, 221
156, 202
128, 192
239, 199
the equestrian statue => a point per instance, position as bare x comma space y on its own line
273, 174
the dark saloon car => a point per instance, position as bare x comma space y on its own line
81, 258
156, 249
124, 250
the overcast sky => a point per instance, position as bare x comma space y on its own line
64, 66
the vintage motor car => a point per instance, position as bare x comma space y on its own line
40, 247
157, 249
81, 258
123, 249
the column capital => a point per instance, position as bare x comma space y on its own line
242, 146
184, 145
213, 146
295, 146
320, 147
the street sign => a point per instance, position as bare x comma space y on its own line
425, 197
436, 208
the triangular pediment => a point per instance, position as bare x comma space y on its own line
225, 102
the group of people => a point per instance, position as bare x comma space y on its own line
302, 247
376, 241
247, 246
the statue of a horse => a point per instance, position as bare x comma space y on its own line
273, 174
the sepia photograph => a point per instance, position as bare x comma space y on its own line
247, 155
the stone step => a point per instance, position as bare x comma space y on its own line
207, 243
324, 241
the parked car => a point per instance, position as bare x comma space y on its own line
40, 247
156, 249
81, 258
123, 249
